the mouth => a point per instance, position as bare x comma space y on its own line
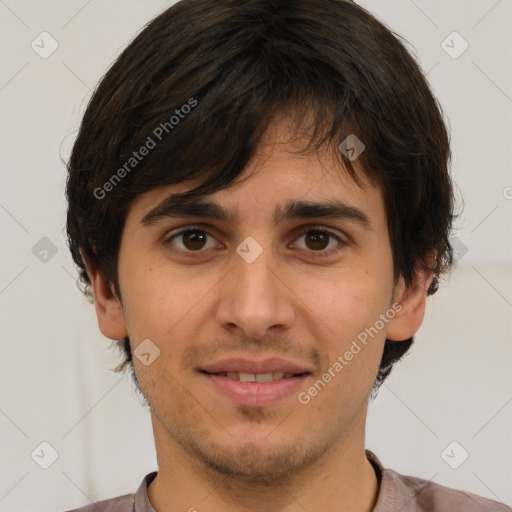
255, 383
256, 377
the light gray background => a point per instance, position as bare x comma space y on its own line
455, 385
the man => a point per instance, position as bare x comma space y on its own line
259, 198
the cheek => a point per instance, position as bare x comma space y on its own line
161, 302
348, 312
345, 304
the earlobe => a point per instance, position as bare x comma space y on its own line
413, 299
109, 310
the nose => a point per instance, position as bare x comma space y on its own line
254, 298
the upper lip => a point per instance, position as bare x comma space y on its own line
242, 365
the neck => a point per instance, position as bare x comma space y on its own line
343, 480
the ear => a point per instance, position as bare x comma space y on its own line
413, 299
108, 307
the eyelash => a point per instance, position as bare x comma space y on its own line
198, 227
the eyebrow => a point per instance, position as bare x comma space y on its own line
293, 209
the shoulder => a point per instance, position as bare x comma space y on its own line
412, 494
424, 495
120, 504
126, 503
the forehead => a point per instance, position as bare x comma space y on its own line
279, 176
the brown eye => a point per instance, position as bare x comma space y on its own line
189, 240
193, 240
319, 242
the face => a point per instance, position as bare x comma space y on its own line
227, 302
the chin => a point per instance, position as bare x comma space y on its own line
257, 460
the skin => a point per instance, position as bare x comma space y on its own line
213, 454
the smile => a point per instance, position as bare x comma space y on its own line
256, 377
255, 389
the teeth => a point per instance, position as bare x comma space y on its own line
264, 377
258, 377
247, 377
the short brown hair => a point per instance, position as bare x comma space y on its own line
242, 63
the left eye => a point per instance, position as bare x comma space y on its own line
195, 239
318, 240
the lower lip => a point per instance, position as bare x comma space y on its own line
256, 394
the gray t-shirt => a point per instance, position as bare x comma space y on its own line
397, 493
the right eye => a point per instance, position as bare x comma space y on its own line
192, 239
